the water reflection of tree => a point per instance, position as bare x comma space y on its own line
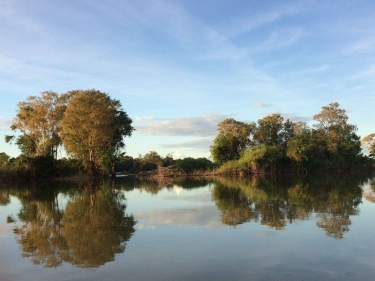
154, 186
4, 197
254, 199
276, 202
42, 235
369, 192
88, 231
235, 207
334, 209
95, 226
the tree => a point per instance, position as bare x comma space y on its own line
272, 130
232, 140
4, 159
339, 137
299, 147
93, 128
151, 161
39, 121
369, 142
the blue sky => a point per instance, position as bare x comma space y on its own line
181, 67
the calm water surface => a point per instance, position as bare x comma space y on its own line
318, 228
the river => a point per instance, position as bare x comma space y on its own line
318, 227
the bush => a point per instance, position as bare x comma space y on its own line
189, 165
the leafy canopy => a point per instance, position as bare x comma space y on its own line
93, 128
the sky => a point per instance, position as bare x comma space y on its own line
179, 67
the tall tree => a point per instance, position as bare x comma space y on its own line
39, 121
233, 138
93, 128
339, 137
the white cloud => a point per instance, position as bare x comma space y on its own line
178, 155
291, 117
199, 144
5, 123
296, 118
201, 126
143, 118
262, 104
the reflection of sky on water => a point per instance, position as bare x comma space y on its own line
368, 192
139, 201
11, 210
177, 206
207, 216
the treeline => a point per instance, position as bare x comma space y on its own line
90, 128
276, 145
152, 160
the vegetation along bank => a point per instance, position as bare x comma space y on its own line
90, 128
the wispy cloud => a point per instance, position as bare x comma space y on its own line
201, 126
259, 104
290, 116
245, 25
172, 20
30, 71
199, 144
367, 73
279, 39
296, 118
5, 123
362, 46
18, 17
317, 69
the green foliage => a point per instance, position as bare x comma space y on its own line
272, 130
93, 128
67, 167
232, 140
190, 165
42, 166
150, 161
39, 122
258, 159
278, 145
299, 148
369, 142
91, 124
24, 168
4, 159
265, 158
337, 136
